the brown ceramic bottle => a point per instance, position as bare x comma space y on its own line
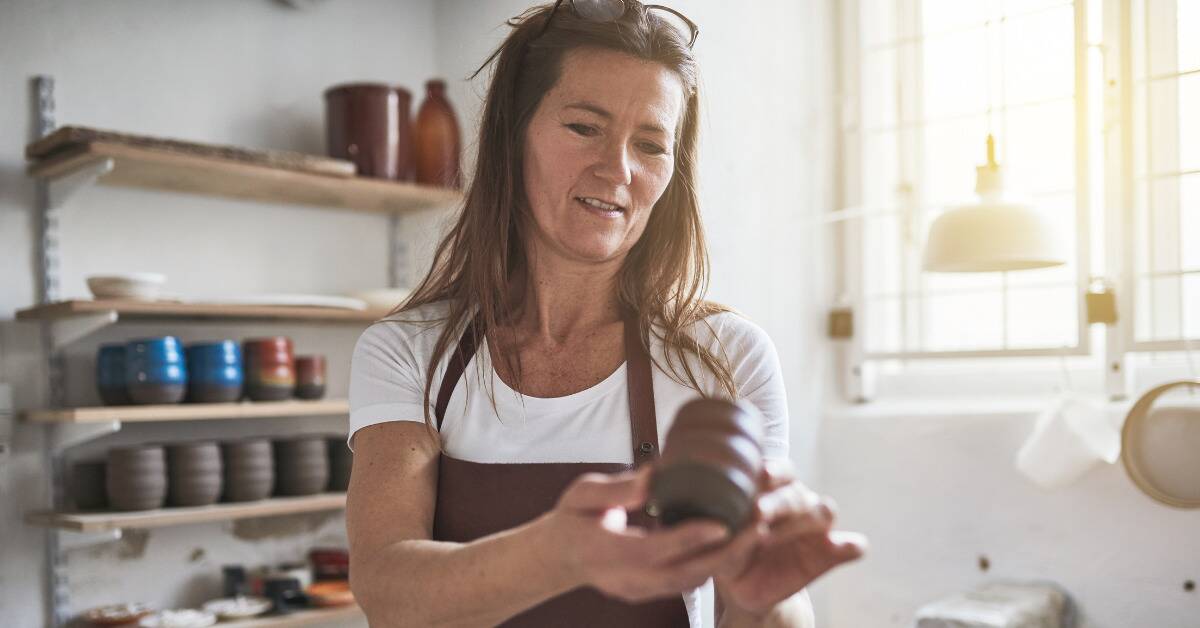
437, 139
710, 464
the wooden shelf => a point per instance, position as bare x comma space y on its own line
213, 175
162, 517
300, 618
190, 411
202, 311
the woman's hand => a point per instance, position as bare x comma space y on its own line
796, 544
588, 529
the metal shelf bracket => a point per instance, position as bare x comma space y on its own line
63, 436
71, 540
63, 186
68, 330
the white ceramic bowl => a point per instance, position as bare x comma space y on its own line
139, 286
383, 299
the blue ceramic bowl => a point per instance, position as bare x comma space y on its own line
155, 370
110, 375
215, 373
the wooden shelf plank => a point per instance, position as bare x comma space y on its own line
174, 310
142, 519
190, 411
159, 169
300, 618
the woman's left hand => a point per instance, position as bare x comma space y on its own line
797, 544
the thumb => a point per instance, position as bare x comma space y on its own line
598, 492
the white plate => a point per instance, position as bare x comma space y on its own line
238, 607
180, 618
300, 300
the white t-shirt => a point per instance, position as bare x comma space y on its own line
391, 359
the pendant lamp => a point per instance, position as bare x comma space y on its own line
995, 234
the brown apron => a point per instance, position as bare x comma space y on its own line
476, 499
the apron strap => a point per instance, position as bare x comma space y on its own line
639, 373
640, 384
458, 363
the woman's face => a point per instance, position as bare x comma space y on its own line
599, 154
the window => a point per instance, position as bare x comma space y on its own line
1055, 82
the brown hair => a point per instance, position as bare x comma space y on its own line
664, 276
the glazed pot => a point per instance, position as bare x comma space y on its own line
438, 144
368, 124
310, 376
136, 477
155, 370
215, 372
301, 465
110, 375
270, 372
194, 473
249, 467
710, 464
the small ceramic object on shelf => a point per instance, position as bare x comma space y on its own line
155, 370
269, 368
117, 614
368, 124
234, 581
301, 466
330, 563
310, 376
238, 607
87, 486
178, 618
136, 477
437, 139
110, 375
215, 372
341, 460
137, 286
249, 467
284, 592
194, 473
300, 571
330, 593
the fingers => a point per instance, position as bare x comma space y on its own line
598, 492
670, 545
777, 473
847, 546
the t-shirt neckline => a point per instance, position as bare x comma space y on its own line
507, 398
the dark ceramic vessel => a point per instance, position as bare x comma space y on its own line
215, 372
310, 376
155, 370
136, 477
110, 375
270, 371
341, 460
301, 465
88, 490
438, 144
368, 124
710, 464
194, 471
249, 469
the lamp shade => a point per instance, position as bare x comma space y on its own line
995, 234
992, 236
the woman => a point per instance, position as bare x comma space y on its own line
492, 415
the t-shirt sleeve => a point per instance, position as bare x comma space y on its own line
759, 378
386, 378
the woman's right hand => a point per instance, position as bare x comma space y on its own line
589, 533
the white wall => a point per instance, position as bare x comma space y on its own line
243, 72
934, 487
